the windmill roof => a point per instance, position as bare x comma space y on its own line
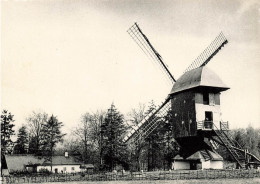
198, 77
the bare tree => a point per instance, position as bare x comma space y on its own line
88, 134
137, 114
96, 134
95, 127
35, 123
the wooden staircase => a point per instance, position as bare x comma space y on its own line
233, 147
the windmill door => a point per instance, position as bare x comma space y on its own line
208, 120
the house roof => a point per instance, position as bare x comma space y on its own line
61, 160
198, 77
215, 156
199, 156
18, 162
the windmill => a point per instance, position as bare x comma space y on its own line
194, 103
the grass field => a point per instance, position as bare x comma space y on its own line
201, 181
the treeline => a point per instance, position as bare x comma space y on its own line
98, 139
39, 136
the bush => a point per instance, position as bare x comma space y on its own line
19, 172
44, 171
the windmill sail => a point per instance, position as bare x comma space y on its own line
154, 118
142, 41
149, 123
209, 52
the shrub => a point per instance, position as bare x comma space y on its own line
44, 171
19, 172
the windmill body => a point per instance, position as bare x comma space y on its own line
196, 115
195, 101
194, 108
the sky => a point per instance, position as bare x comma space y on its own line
71, 57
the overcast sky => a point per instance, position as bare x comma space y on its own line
71, 57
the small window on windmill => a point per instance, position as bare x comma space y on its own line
211, 99
206, 98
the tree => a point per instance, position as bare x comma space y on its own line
21, 146
252, 140
51, 135
88, 138
82, 135
136, 116
95, 136
35, 123
158, 145
152, 141
6, 132
72, 146
114, 151
33, 146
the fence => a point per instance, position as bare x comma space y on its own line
166, 175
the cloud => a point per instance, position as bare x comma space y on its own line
247, 5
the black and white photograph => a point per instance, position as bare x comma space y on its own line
130, 91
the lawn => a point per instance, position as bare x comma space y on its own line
201, 181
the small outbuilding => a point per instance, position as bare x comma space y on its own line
203, 159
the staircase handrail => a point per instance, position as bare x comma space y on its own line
202, 124
217, 131
229, 136
222, 124
248, 153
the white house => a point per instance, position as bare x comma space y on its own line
30, 163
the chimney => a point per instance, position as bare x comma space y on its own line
66, 154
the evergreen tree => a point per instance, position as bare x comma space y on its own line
21, 146
160, 149
114, 151
33, 146
6, 132
51, 135
169, 146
